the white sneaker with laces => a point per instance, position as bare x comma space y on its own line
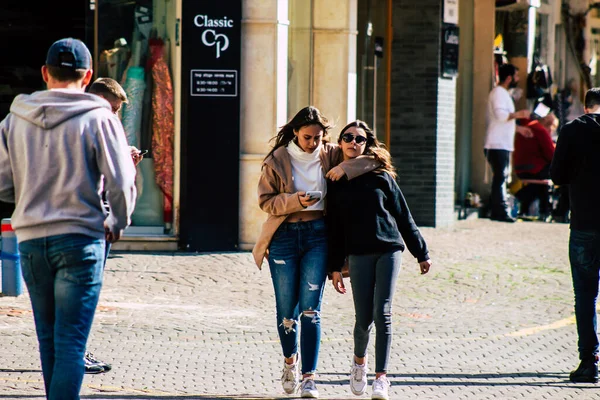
358, 378
290, 379
380, 388
308, 389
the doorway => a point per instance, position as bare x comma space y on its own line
28, 30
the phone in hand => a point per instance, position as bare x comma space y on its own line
314, 194
540, 111
143, 152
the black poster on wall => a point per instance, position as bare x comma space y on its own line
450, 41
210, 116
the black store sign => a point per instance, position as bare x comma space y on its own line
450, 40
210, 138
211, 82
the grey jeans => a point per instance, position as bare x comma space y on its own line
373, 278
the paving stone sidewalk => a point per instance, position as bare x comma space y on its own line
492, 320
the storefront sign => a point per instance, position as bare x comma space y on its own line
209, 82
211, 37
451, 11
450, 41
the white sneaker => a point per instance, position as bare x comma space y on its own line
358, 378
290, 379
380, 388
308, 389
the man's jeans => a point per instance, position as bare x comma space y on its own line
584, 254
499, 161
297, 259
373, 278
63, 274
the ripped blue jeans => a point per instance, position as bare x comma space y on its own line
297, 260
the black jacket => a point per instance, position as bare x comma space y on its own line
367, 215
576, 162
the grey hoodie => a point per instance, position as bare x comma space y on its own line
54, 147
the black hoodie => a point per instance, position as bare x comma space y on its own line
369, 215
576, 162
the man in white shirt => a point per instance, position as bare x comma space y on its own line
499, 139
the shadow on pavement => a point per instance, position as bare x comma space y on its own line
175, 397
559, 379
180, 253
20, 370
150, 397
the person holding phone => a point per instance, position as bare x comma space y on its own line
294, 236
111, 91
532, 157
370, 225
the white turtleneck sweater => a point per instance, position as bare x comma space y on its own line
307, 172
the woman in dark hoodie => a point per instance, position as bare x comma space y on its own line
369, 222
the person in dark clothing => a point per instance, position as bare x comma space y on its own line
111, 91
531, 160
576, 163
369, 222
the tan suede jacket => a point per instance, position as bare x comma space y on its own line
277, 193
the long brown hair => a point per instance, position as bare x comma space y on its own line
307, 116
373, 146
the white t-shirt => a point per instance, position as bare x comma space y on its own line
500, 131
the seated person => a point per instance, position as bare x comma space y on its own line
532, 157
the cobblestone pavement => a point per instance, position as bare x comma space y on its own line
492, 320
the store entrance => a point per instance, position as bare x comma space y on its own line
28, 29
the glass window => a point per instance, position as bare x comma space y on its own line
372, 25
132, 47
299, 55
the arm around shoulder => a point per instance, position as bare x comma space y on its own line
359, 166
351, 168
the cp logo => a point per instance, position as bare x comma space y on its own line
211, 38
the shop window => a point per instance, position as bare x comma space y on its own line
132, 47
372, 81
541, 37
299, 55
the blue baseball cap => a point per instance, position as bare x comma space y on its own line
69, 53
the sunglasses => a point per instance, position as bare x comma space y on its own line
348, 138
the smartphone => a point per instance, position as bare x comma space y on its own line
143, 152
314, 194
541, 110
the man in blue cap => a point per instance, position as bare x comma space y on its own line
55, 146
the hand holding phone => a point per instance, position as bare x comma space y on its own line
314, 194
137, 155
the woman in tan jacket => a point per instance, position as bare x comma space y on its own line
292, 190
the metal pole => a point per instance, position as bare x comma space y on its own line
374, 95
